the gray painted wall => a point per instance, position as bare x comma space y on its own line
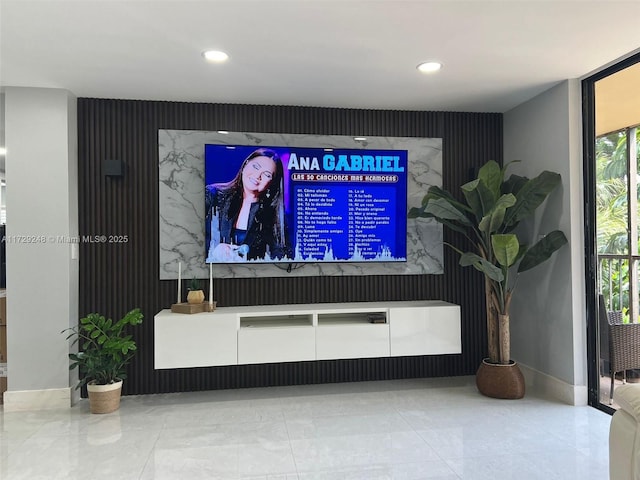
548, 327
42, 204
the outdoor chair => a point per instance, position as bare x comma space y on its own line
623, 343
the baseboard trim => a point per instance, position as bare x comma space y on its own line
27, 400
553, 387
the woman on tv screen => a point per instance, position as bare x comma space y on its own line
245, 216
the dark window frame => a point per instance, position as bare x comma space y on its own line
589, 138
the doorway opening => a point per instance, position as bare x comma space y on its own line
612, 231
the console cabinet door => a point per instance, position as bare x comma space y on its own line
200, 340
352, 341
425, 330
276, 344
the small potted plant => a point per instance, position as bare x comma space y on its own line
195, 295
106, 349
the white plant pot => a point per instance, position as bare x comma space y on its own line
104, 398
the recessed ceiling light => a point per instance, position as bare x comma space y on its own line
215, 56
359, 139
223, 132
429, 67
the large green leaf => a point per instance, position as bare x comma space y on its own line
473, 197
415, 212
493, 220
432, 194
479, 197
437, 192
441, 208
491, 175
542, 250
521, 253
513, 184
530, 196
453, 226
505, 248
483, 265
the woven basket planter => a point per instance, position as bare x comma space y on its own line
104, 398
500, 381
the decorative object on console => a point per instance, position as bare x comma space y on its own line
195, 295
106, 349
211, 303
494, 208
195, 299
179, 283
191, 307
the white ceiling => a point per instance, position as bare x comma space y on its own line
344, 53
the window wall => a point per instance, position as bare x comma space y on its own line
612, 140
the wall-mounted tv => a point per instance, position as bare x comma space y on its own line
295, 204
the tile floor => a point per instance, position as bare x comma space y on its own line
403, 429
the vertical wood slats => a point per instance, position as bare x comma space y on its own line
117, 277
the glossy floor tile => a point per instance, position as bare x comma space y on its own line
403, 429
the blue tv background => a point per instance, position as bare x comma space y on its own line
386, 242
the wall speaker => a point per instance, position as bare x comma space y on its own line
113, 168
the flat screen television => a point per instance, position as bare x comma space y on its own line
294, 204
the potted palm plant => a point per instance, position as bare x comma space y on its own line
492, 208
106, 349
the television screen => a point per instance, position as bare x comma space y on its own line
290, 204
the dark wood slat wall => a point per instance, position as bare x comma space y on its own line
117, 277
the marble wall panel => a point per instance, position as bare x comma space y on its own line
181, 204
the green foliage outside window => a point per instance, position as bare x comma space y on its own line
612, 215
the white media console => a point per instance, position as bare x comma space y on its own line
290, 333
